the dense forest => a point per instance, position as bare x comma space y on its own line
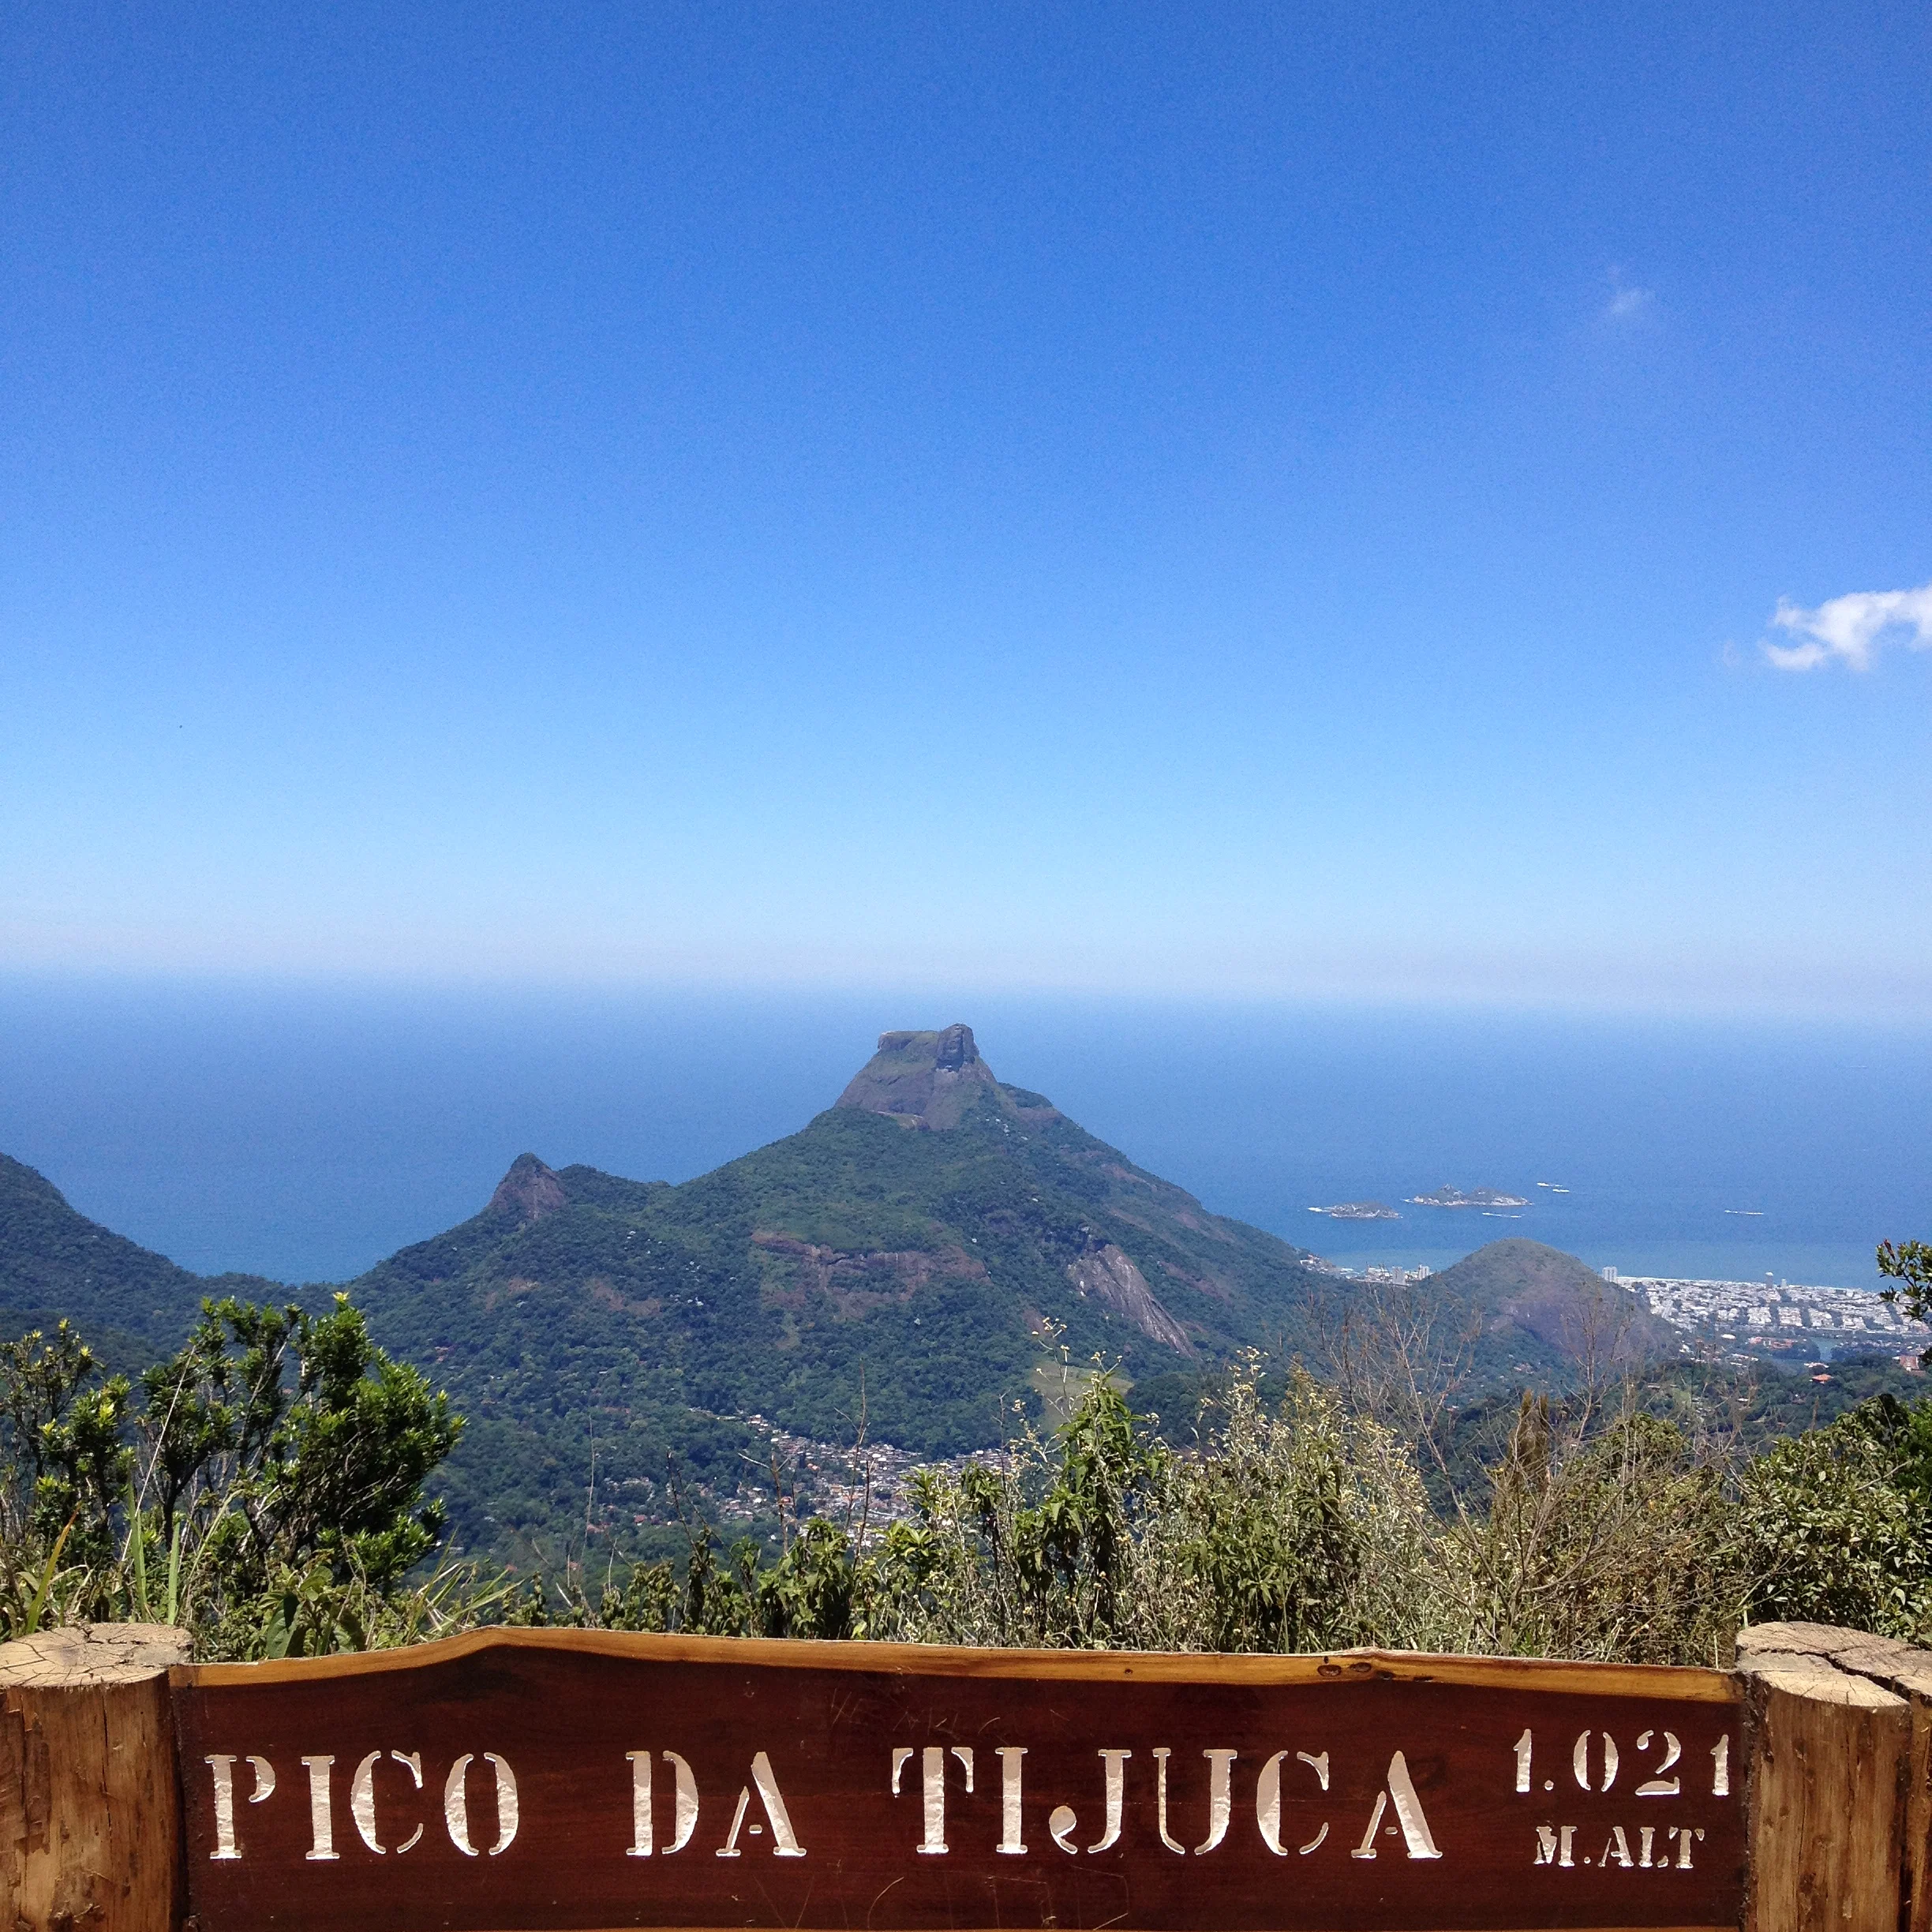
269, 1486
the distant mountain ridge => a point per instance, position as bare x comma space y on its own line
899, 1265
927, 1230
902, 1265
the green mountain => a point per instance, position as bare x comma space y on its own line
1512, 1315
132, 1304
1545, 1314
896, 1264
905, 1266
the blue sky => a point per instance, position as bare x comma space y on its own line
1214, 500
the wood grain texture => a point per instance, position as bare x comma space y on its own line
495, 1784
90, 1817
1906, 1671
1631, 1680
1830, 1750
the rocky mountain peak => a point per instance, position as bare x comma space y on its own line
955, 1048
529, 1191
922, 1080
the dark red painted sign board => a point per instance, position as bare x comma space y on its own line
550, 1781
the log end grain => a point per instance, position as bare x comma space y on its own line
91, 1653
90, 1808
1829, 1751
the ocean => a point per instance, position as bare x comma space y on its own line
303, 1132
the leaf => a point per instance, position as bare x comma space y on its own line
137, 1550
47, 1580
174, 1577
280, 1632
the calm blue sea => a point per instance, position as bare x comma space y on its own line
305, 1132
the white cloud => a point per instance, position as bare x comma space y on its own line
1627, 303
1847, 628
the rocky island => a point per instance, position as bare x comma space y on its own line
1476, 1197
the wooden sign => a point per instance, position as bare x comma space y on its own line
541, 1781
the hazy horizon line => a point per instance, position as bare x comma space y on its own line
949, 998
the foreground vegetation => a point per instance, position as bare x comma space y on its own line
1308, 1526
265, 1487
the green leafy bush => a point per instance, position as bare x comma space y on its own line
1605, 1533
1607, 1541
1834, 1526
267, 1491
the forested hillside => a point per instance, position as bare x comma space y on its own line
132, 1303
904, 1267
898, 1260
907, 1268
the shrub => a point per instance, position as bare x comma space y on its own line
267, 1492
1606, 1542
1831, 1527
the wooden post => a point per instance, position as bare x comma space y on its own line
1905, 1672
1831, 1745
90, 1802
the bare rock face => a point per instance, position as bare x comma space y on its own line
1110, 1275
922, 1080
528, 1192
